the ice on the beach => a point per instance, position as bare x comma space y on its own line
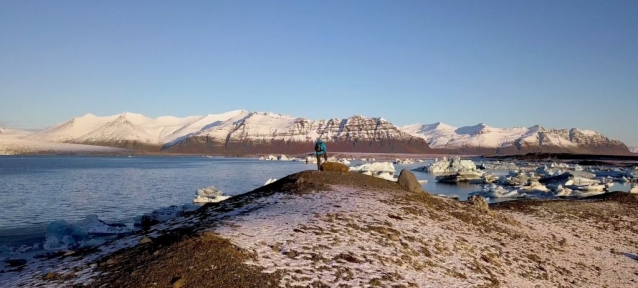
62, 235
344, 161
383, 170
270, 180
93, 225
210, 194
163, 214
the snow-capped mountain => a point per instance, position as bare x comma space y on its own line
514, 140
275, 133
13, 132
130, 127
241, 132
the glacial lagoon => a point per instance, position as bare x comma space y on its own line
59, 192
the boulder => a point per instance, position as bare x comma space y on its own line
408, 181
334, 167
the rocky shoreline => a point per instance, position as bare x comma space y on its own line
329, 229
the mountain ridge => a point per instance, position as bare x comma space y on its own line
240, 132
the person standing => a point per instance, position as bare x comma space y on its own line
320, 150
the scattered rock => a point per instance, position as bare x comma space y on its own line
15, 262
111, 261
393, 237
50, 276
178, 282
347, 257
334, 167
300, 181
408, 181
69, 253
479, 202
291, 254
146, 240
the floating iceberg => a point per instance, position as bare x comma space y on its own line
210, 195
270, 158
283, 158
383, 170
446, 166
463, 176
404, 161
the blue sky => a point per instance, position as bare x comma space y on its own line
559, 64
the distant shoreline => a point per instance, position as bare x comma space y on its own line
356, 155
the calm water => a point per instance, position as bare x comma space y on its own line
36, 190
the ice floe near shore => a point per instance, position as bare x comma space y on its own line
210, 195
383, 170
62, 235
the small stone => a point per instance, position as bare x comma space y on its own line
110, 261
178, 282
146, 240
69, 253
291, 254
49, 276
15, 262
393, 237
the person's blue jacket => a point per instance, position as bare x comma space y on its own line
322, 147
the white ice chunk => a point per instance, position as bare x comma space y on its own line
93, 225
210, 195
451, 165
383, 170
270, 180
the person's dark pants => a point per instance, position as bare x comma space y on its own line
325, 157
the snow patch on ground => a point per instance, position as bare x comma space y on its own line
356, 237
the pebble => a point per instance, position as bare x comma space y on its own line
145, 240
179, 282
